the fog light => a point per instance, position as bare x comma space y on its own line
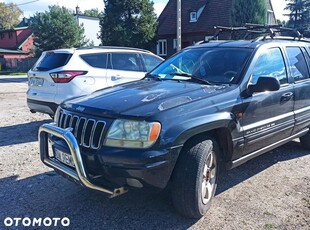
134, 183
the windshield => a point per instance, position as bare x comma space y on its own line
211, 65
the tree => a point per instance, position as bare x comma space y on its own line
128, 23
299, 16
93, 13
245, 11
9, 15
56, 28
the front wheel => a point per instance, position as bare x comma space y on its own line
194, 179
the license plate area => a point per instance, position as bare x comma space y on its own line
35, 81
63, 157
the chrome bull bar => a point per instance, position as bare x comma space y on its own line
80, 173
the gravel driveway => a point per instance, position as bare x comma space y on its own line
269, 192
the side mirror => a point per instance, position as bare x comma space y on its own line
264, 84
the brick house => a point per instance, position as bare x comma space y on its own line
17, 42
198, 20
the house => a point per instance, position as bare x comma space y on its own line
17, 42
91, 26
198, 20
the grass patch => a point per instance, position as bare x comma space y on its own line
11, 73
270, 226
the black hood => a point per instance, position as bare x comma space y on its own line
142, 98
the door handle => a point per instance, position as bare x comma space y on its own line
287, 96
115, 78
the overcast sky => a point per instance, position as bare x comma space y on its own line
32, 6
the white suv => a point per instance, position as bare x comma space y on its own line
65, 73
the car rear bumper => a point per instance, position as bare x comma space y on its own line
42, 106
113, 172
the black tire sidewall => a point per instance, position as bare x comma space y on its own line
203, 208
188, 176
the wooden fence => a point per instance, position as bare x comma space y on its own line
17, 64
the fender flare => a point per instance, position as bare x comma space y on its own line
178, 135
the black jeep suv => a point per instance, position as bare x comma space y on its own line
217, 103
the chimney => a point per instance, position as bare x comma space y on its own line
77, 10
25, 20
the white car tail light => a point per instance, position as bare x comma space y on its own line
66, 76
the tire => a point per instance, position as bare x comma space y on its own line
305, 140
194, 179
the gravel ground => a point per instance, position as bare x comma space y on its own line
269, 192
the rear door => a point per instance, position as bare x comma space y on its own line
151, 61
299, 61
41, 84
124, 67
98, 74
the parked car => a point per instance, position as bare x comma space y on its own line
216, 104
65, 73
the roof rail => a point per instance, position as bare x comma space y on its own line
113, 47
270, 31
287, 38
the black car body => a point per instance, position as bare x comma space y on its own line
256, 99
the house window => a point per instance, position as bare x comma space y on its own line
175, 43
10, 34
162, 47
193, 17
270, 17
2, 35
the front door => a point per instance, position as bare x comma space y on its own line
268, 117
124, 67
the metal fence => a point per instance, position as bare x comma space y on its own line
17, 64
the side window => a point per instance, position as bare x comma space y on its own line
270, 63
307, 57
297, 63
98, 60
150, 62
125, 61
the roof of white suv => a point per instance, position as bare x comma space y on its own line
96, 49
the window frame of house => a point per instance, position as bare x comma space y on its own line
193, 17
175, 43
2, 35
162, 47
269, 17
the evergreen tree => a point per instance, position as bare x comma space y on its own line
56, 28
128, 23
93, 13
245, 11
299, 16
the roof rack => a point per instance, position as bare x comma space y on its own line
268, 32
112, 47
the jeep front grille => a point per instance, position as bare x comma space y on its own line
88, 132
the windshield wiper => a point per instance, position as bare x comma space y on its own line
154, 76
192, 77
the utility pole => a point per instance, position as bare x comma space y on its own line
179, 25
